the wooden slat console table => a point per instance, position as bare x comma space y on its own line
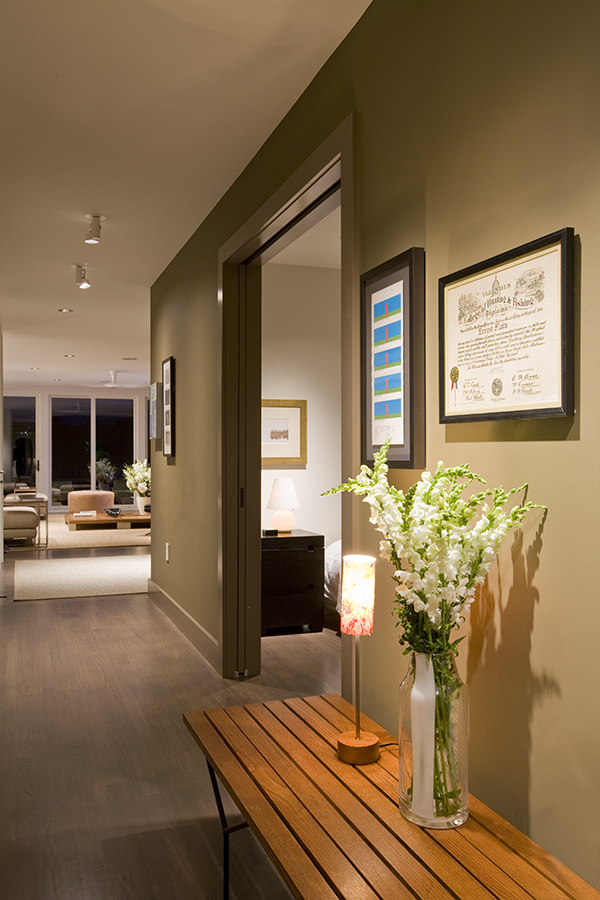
335, 831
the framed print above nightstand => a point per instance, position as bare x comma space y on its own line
283, 434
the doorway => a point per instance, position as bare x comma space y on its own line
308, 196
301, 364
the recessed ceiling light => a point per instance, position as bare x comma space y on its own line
69, 355
58, 379
34, 368
65, 310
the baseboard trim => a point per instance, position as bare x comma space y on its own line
192, 630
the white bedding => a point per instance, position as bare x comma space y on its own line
333, 576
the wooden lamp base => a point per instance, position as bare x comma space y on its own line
358, 751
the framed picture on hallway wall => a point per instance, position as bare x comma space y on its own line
283, 434
393, 360
506, 334
154, 411
168, 393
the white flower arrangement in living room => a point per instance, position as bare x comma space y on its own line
138, 478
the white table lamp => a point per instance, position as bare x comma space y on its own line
283, 498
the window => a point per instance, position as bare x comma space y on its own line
71, 436
19, 442
114, 445
84, 430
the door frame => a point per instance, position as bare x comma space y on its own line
300, 201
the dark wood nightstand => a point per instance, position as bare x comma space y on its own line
293, 570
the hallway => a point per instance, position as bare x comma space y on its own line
103, 793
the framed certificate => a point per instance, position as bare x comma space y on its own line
506, 334
393, 360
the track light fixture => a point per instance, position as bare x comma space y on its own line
93, 235
81, 279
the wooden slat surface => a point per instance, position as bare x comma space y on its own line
335, 830
296, 869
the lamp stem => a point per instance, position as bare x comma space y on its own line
357, 683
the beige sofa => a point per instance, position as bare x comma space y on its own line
80, 501
21, 522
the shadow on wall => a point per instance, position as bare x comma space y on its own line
503, 688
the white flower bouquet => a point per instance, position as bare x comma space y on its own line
440, 555
441, 545
138, 477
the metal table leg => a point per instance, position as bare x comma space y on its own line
227, 829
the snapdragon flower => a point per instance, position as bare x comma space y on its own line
438, 553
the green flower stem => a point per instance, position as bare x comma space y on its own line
446, 790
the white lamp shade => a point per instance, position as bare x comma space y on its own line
358, 594
283, 495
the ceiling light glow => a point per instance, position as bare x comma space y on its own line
81, 279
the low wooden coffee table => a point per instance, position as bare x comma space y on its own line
102, 520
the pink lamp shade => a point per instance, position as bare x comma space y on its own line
358, 599
358, 594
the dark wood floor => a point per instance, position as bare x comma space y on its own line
103, 793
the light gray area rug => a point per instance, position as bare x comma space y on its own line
60, 538
45, 579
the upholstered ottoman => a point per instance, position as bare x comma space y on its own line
20, 522
81, 501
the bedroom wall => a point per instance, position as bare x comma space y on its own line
478, 130
301, 327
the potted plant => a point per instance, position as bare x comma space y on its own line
105, 474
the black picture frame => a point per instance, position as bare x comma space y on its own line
506, 334
393, 360
168, 406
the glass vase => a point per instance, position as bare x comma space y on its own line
434, 736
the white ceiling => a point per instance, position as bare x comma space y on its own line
144, 111
320, 246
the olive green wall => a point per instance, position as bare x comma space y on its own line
478, 131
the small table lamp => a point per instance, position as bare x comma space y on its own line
358, 601
283, 498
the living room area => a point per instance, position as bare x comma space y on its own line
60, 507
